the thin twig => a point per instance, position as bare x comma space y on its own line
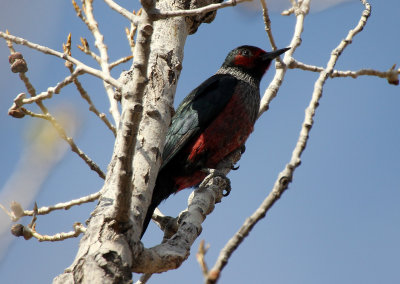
64, 205
130, 33
61, 131
83, 67
130, 16
272, 90
81, 90
267, 23
391, 74
285, 177
19, 101
92, 107
192, 12
101, 46
120, 61
85, 48
50, 91
28, 233
201, 252
79, 13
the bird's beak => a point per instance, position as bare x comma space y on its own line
271, 55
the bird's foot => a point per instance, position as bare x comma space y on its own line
233, 168
242, 150
216, 173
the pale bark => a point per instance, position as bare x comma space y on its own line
110, 249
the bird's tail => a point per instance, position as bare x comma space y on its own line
164, 187
150, 211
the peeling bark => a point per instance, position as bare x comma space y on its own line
110, 249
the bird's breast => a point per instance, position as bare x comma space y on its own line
226, 133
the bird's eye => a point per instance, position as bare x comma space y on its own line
246, 53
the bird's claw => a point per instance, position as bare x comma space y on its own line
216, 173
227, 190
233, 168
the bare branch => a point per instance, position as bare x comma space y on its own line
130, 16
25, 231
209, 8
31, 90
267, 23
132, 110
61, 131
79, 65
130, 33
391, 75
120, 61
99, 42
21, 100
50, 91
272, 90
286, 176
81, 90
64, 205
167, 224
171, 253
92, 107
201, 252
79, 12
86, 49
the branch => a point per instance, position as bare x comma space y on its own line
164, 66
61, 132
167, 224
392, 75
201, 252
21, 99
50, 91
83, 67
99, 42
171, 253
85, 48
193, 12
130, 33
19, 230
272, 90
64, 205
285, 177
81, 90
92, 107
124, 12
120, 61
132, 110
267, 23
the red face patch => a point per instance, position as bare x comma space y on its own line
247, 57
241, 60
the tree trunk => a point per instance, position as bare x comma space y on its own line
111, 250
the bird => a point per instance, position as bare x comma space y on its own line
214, 120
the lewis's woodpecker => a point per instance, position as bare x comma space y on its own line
215, 119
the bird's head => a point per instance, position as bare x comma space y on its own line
251, 59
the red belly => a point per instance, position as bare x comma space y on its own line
225, 134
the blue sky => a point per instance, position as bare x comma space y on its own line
339, 220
